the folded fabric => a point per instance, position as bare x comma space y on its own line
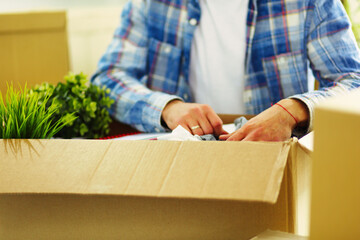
239, 122
181, 134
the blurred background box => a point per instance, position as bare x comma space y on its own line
33, 48
335, 208
276, 235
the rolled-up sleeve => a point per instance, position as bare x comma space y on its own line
122, 69
332, 51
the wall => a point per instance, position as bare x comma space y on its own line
90, 32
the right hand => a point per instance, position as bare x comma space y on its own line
189, 115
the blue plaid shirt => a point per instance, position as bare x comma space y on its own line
147, 63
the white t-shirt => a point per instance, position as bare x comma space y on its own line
218, 55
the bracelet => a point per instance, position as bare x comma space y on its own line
287, 112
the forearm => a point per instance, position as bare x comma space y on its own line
297, 110
135, 104
311, 99
333, 54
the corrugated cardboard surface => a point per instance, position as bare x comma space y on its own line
51, 216
276, 235
87, 189
335, 210
147, 168
33, 48
299, 168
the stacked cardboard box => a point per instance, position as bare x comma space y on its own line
335, 212
33, 48
276, 235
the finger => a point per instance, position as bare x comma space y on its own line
195, 128
224, 136
215, 121
198, 114
190, 123
237, 136
205, 125
249, 138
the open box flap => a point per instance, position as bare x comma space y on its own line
248, 171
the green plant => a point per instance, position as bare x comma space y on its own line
88, 102
24, 116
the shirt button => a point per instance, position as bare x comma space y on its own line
247, 96
157, 130
193, 22
281, 60
186, 96
167, 50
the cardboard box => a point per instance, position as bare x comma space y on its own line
276, 235
89, 189
33, 48
335, 211
108, 189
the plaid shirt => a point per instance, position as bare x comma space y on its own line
147, 63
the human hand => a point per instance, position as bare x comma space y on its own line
191, 115
273, 124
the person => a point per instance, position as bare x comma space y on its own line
177, 62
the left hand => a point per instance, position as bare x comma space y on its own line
273, 124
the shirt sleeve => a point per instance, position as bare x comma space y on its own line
122, 69
332, 51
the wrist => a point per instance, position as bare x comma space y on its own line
298, 110
166, 113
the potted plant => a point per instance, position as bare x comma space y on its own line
24, 115
77, 97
